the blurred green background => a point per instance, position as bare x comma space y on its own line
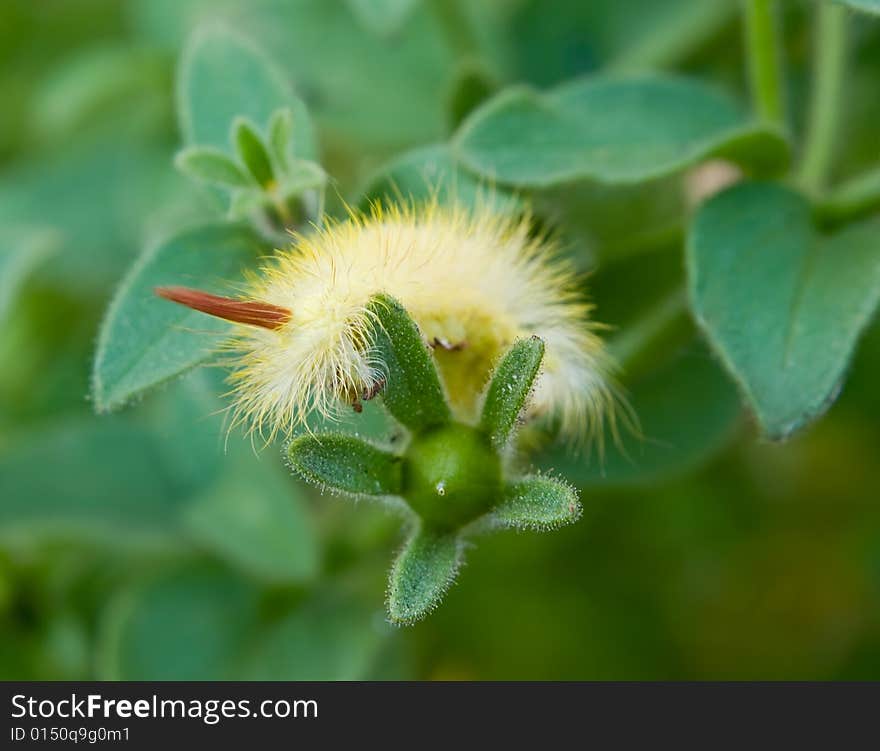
138, 546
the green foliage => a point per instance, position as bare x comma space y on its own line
212, 166
510, 388
252, 152
614, 130
424, 570
412, 390
224, 76
145, 545
776, 300
538, 503
345, 464
143, 343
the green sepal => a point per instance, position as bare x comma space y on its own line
509, 389
412, 392
345, 464
424, 570
210, 165
252, 151
536, 502
280, 137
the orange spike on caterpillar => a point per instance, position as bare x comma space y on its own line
251, 313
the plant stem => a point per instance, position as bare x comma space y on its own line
825, 104
765, 72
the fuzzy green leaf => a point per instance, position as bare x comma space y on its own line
424, 570
280, 138
412, 391
613, 130
252, 151
782, 305
537, 502
210, 165
144, 340
21, 251
510, 388
345, 464
224, 75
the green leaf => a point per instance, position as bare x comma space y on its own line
210, 165
223, 75
326, 638
144, 341
687, 411
382, 17
538, 503
782, 305
866, 6
412, 391
99, 480
190, 624
252, 151
430, 173
280, 138
256, 518
22, 250
346, 464
613, 130
424, 570
509, 389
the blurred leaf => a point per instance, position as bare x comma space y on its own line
252, 152
430, 172
424, 570
204, 623
336, 65
99, 195
280, 131
345, 464
21, 251
412, 390
613, 130
686, 410
222, 76
144, 340
256, 518
190, 624
783, 306
325, 638
212, 166
580, 37
537, 503
867, 6
382, 16
510, 388
101, 479
101, 78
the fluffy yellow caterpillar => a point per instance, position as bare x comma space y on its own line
474, 280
